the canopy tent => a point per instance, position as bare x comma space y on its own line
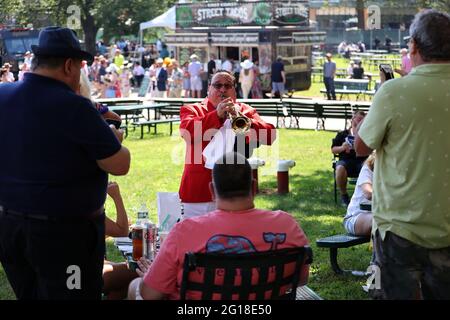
167, 19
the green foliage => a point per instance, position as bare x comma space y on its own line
310, 199
116, 17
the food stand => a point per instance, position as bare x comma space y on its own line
257, 30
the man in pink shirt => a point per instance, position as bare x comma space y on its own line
406, 63
235, 227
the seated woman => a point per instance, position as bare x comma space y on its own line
358, 71
358, 221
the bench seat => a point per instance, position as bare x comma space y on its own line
154, 124
336, 242
306, 293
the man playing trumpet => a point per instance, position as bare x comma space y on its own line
200, 122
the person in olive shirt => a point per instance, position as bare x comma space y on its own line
408, 125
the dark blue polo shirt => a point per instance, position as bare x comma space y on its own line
277, 67
50, 141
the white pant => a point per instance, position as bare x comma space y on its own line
246, 89
191, 210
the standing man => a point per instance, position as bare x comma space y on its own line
211, 67
119, 59
408, 126
227, 65
57, 153
138, 74
387, 43
278, 77
161, 79
329, 72
195, 69
199, 122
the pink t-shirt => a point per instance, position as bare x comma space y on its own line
226, 232
406, 63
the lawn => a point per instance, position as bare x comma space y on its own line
157, 166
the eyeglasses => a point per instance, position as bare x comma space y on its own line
219, 86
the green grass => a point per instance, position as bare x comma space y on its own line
310, 199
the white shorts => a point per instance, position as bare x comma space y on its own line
138, 292
196, 83
349, 223
197, 209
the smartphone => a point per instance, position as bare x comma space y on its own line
116, 123
387, 70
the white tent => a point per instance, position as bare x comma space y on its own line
167, 19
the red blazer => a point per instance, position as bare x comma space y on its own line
196, 119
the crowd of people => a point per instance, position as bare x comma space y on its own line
399, 151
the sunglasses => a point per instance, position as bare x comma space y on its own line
219, 86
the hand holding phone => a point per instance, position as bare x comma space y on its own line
114, 122
387, 71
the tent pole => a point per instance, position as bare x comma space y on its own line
140, 43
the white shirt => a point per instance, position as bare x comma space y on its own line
138, 70
11, 77
365, 176
194, 68
227, 65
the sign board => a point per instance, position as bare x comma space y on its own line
184, 38
309, 37
235, 38
374, 19
257, 13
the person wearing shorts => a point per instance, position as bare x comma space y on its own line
195, 68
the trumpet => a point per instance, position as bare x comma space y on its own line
239, 123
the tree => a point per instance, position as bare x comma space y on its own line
442, 5
117, 17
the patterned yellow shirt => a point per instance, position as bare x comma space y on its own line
409, 126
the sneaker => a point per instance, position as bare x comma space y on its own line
345, 199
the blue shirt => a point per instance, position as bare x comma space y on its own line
277, 67
329, 69
51, 139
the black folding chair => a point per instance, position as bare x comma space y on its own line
255, 271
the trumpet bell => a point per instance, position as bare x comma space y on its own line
240, 124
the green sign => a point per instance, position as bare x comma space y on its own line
241, 13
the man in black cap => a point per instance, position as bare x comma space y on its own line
57, 152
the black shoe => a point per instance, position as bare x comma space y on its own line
345, 199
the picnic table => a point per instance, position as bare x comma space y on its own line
377, 51
119, 101
374, 62
136, 110
346, 87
